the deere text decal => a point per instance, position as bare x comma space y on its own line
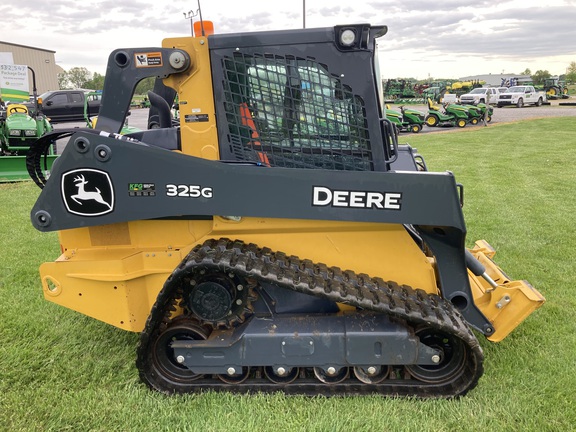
323, 196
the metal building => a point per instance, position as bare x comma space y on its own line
39, 59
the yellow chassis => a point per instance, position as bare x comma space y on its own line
114, 272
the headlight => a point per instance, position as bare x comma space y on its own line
30, 133
348, 37
15, 132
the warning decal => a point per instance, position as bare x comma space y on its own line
195, 118
152, 59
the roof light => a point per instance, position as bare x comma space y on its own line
348, 37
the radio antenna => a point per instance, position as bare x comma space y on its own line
201, 22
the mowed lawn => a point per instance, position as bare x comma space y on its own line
60, 370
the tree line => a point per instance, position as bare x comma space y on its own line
540, 76
82, 78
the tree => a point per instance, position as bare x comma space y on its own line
96, 83
145, 85
540, 76
571, 73
79, 76
526, 72
63, 80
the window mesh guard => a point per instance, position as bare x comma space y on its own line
291, 112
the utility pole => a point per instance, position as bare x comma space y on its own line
303, 13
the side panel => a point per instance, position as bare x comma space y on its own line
114, 272
118, 287
94, 180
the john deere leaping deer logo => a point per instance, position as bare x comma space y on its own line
84, 195
88, 192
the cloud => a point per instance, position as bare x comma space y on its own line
491, 33
423, 34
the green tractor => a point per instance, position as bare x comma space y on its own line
434, 92
400, 90
479, 112
449, 114
406, 120
555, 88
20, 127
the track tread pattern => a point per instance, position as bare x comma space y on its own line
414, 306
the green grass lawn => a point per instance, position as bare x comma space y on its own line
60, 370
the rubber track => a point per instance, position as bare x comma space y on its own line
416, 307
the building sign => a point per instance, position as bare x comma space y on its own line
14, 82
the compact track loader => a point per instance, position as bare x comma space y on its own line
278, 238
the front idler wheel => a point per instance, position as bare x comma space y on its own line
452, 360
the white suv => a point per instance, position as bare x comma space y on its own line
480, 95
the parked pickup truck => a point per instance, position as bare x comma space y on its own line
68, 105
480, 95
520, 96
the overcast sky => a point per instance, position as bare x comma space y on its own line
426, 38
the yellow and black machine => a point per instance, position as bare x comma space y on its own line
277, 237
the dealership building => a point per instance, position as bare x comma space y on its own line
39, 59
